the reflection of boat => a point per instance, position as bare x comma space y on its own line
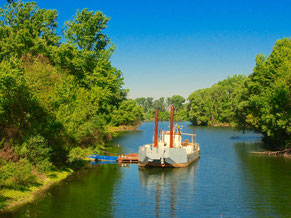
152, 176
169, 150
167, 184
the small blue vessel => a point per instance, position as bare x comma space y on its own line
103, 157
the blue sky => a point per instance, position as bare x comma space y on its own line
167, 47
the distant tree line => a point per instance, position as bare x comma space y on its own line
216, 105
149, 106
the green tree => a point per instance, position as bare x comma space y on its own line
265, 103
177, 101
127, 114
86, 30
24, 28
160, 104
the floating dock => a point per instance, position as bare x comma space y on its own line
129, 158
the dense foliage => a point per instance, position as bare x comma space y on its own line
265, 102
216, 105
56, 94
149, 106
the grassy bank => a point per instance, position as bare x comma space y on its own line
122, 128
11, 198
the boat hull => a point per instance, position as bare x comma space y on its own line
168, 157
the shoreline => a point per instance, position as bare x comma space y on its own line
17, 198
123, 128
282, 153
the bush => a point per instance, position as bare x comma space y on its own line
76, 157
17, 175
36, 150
45, 166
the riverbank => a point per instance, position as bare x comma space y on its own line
11, 198
223, 125
122, 128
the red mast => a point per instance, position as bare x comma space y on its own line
156, 128
171, 127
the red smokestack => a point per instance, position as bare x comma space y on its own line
156, 128
171, 127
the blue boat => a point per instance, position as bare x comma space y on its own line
103, 157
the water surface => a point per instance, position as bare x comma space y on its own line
227, 180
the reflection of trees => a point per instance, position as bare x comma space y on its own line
268, 179
88, 193
166, 182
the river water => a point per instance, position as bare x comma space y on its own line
226, 181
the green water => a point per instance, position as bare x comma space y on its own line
227, 180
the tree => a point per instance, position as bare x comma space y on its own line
85, 30
24, 28
160, 104
89, 58
127, 114
177, 101
265, 104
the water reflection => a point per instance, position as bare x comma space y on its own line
267, 180
168, 185
88, 193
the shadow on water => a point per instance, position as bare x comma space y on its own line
267, 179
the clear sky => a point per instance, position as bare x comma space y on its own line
167, 47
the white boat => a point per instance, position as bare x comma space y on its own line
168, 149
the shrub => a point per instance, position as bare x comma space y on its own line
17, 175
36, 150
44, 166
76, 157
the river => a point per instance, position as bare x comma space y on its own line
226, 181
